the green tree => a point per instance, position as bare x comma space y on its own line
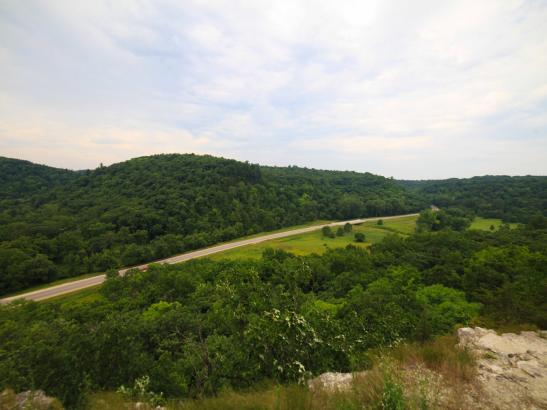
359, 237
445, 307
327, 232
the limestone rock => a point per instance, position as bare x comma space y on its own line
331, 381
512, 368
31, 400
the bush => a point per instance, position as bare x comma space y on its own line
359, 237
327, 232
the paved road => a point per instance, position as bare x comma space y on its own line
58, 290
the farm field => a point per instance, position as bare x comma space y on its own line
315, 242
484, 224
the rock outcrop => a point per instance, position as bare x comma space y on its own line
512, 369
332, 381
31, 400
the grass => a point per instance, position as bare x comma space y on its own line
439, 355
366, 392
484, 224
84, 296
315, 242
405, 225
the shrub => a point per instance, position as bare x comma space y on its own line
359, 237
327, 232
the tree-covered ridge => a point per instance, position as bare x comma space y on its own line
66, 223
204, 326
513, 199
22, 179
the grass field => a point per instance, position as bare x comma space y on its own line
484, 224
315, 242
84, 296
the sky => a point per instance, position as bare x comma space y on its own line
409, 89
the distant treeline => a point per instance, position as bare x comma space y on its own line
513, 199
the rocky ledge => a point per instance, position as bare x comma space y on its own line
512, 369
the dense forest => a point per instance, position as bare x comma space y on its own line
59, 223
56, 223
201, 327
512, 199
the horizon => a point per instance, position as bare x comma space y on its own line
275, 166
414, 91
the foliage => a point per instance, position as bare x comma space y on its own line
327, 232
59, 223
205, 326
359, 237
140, 392
444, 307
452, 218
513, 199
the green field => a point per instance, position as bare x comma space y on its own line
315, 242
85, 296
484, 224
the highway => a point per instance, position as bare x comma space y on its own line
69, 287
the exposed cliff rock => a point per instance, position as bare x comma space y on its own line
28, 400
512, 369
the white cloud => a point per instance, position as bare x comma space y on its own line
412, 85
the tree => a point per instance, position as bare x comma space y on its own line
427, 221
380, 222
350, 206
445, 307
327, 232
359, 237
348, 227
340, 231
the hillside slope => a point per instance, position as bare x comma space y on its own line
513, 199
58, 223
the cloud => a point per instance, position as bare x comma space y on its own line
414, 90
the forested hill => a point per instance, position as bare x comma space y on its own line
23, 178
513, 199
58, 223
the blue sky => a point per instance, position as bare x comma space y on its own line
423, 89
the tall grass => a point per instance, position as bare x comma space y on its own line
410, 376
440, 355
